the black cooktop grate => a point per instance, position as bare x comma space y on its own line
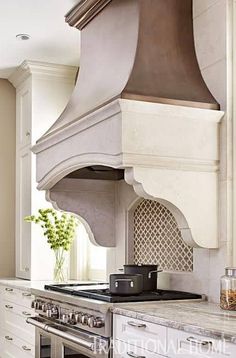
103, 294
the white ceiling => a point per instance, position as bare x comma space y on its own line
52, 40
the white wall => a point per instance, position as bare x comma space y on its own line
7, 179
210, 32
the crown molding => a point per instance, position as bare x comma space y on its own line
37, 68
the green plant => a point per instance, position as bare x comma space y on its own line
59, 228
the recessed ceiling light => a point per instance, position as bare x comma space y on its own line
22, 37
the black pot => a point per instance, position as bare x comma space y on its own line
149, 273
122, 284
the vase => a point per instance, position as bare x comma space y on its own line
60, 266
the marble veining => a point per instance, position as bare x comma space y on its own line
201, 318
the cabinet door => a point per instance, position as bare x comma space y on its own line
23, 208
23, 115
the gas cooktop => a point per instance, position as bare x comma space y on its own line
100, 291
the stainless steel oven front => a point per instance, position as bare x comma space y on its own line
58, 341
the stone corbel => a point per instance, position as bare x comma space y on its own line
193, 193
93, 203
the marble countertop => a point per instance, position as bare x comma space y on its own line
22, 284
200, 317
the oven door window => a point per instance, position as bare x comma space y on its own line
71, 353
45, 346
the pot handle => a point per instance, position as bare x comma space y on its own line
124, 280
154, 271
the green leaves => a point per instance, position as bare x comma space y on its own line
59, 228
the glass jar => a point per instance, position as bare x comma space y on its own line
228, 289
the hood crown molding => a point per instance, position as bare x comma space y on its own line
83, 12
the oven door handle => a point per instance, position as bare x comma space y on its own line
70, 337
35, 321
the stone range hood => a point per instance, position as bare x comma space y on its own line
140, 111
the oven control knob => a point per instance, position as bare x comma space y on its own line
99, 322
84, 319
91, 321
65, 318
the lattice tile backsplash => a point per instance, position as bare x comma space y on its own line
157, 239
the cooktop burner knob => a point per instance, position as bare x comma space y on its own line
33, 304
49, 313
91, 321
44, 307
72, 319
38, 305
65, 318
54, 312
99, 322
84, 319
78, 317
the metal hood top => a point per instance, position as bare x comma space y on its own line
140, 111
135, 49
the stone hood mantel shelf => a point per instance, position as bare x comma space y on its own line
141, 107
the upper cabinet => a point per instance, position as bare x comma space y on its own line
42, 92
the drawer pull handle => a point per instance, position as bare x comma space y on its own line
9, 289
26, 348
198, 342
25, 294
8, 338
131, 354
137, 325
27, 314
9, 307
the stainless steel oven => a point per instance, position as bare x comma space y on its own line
59, 341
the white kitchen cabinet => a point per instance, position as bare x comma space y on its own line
42, 92
138, 339
17, 337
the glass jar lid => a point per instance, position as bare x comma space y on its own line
230, 271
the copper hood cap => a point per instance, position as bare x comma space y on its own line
135, 49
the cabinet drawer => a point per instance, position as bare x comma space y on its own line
22, 311
14, 342
145, 335
185, 345
125, 350
12, 351
23, 298
14, 321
